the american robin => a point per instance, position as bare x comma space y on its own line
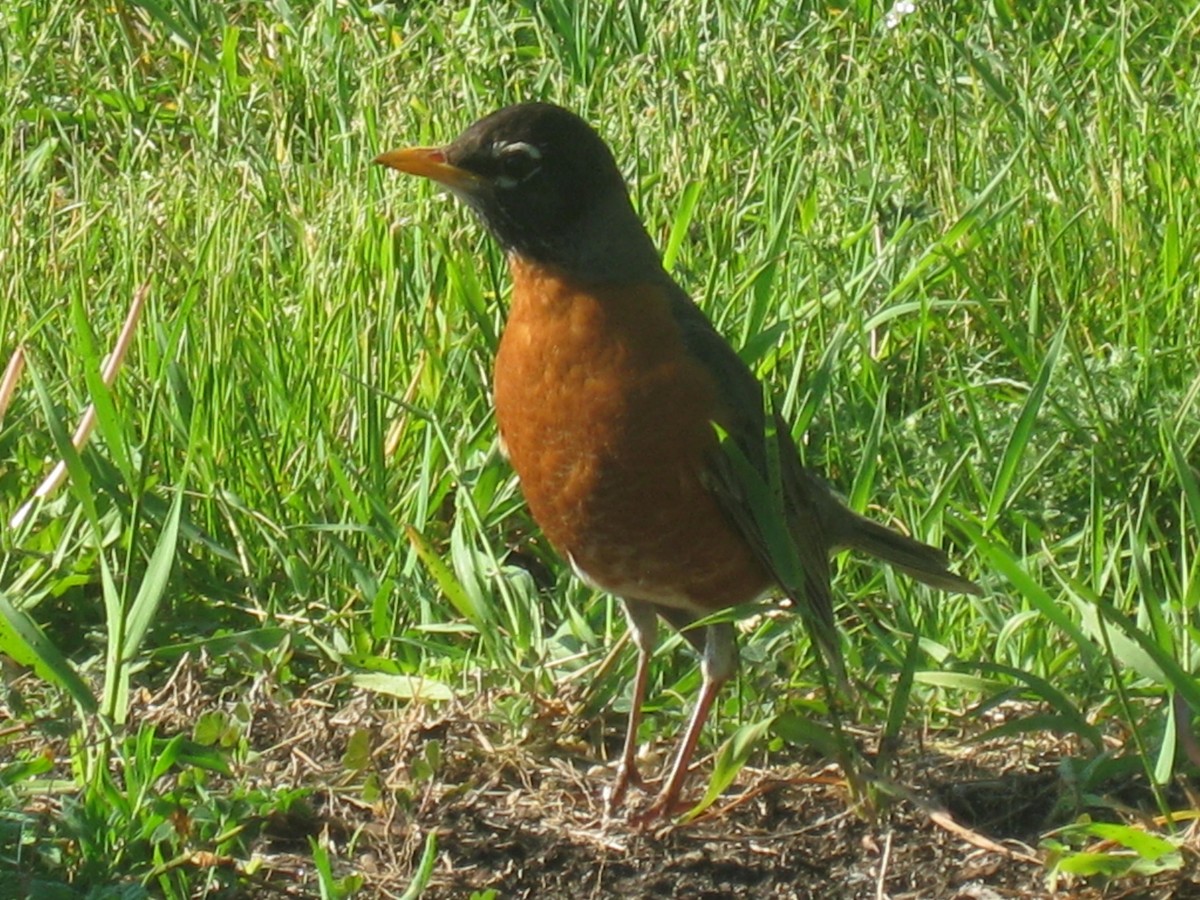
608, 383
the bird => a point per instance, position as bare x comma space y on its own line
640, 439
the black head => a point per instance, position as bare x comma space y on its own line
545, 185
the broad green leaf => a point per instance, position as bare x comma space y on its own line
406, 687
23, 640
730, 760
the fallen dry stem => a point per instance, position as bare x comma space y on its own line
8, 385
87, 424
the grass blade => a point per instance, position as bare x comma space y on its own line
1018, 440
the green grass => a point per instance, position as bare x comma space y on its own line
961, 250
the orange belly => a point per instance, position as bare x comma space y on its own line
607, 422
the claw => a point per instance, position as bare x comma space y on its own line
627, 774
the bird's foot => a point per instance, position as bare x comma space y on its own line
665, 807
627, 774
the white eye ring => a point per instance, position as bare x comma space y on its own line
516, 148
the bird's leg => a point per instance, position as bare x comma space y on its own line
718, 665
643, 624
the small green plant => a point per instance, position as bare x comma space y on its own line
1109, 851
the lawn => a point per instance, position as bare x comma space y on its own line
285, 627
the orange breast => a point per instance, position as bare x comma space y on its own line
607, 420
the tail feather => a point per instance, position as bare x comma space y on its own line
924, 563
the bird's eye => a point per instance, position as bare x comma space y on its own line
515, 162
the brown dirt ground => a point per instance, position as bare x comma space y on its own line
526, 819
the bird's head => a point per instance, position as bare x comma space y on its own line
542, 181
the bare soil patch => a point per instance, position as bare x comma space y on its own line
962, 820
525, 818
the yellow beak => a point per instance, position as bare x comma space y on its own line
430, 162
